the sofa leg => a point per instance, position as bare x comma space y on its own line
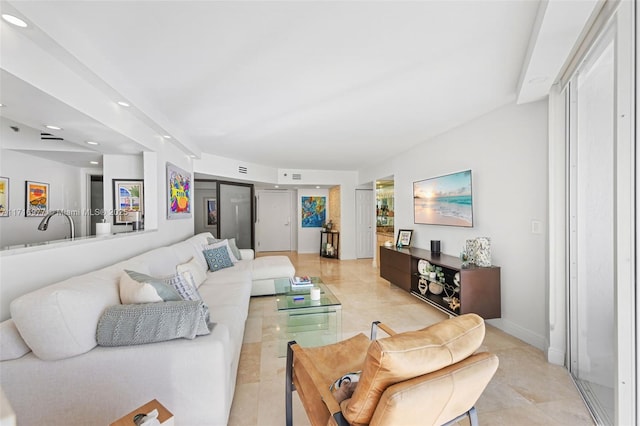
289, 388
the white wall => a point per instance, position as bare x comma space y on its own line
507, 153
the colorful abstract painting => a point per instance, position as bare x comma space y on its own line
4, 196
314, 211
37, 198
179, 192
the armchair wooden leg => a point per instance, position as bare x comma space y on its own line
289, 388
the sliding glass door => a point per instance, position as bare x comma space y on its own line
591, 213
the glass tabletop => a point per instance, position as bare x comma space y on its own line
299, 298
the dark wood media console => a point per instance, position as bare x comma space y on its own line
479, 288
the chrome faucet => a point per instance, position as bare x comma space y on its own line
44, 224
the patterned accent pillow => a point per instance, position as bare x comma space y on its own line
184, 284
217, 258
222, 243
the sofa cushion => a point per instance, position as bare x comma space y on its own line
136, 287
59, 321
194, 267
217, 258
12, 345
124, 325
269, 267
406, 355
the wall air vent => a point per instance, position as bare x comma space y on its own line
49, 137
242, 169
296, 176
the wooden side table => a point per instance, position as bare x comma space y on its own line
164, 416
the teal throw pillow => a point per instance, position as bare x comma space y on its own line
161, 285
217, 258
234, 248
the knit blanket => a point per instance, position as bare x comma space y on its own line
136, 324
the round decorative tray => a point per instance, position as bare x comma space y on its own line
423, 266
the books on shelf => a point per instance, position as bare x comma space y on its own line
303, 281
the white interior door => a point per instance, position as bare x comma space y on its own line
365, 211
273, 227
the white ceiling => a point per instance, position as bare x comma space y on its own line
285, 83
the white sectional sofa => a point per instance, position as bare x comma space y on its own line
53, 372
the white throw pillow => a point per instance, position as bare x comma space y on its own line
141, 288
225, 244
12, 346
198, 274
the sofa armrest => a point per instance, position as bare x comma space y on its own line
246, 254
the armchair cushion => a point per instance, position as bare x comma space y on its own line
406, 355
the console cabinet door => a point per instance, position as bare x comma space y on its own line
395, 267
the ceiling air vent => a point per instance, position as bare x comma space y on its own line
242, 169
296, 176
49, 137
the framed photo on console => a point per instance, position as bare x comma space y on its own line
404, 238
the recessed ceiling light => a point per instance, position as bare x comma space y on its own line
14, 20
192, 156
277, 186
48, 126
92, 143
94, 162
124, 104
166, 136
317, 187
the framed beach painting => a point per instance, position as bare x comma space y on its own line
178, 192
444, 200
128, 196
36, 198
4, 196
314, 211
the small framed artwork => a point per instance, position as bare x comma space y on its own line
404, 238
178, 192
36, 198
128, 197
4, 196
210, 212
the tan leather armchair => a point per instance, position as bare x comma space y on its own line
432, 376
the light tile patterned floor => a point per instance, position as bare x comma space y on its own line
526, 390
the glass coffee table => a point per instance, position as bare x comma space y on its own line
308, 322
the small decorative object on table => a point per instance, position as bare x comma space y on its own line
303, 281
404, 238
454, 303
483, 251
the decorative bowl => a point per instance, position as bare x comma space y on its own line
435, 287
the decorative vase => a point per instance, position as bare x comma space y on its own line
483, 251
470, 251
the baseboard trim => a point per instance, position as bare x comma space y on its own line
521, 333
